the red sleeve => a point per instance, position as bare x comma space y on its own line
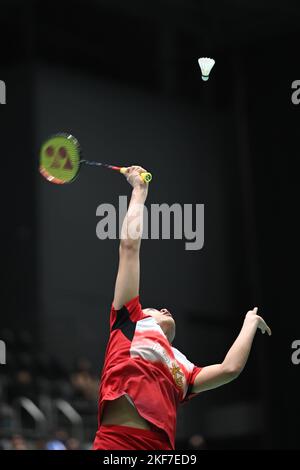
192, 377
132, 310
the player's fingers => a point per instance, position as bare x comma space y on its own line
139, 168
266, 328
131, 169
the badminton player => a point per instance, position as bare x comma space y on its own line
144, 378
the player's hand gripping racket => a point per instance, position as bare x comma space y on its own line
61, 157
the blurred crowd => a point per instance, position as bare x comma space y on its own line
44, 404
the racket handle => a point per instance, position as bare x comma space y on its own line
146, 176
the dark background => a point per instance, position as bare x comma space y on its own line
123, 78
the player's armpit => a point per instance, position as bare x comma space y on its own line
212, 377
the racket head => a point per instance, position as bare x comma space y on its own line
60, 158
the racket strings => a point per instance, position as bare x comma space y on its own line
59, 159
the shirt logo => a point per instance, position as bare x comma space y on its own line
177, 375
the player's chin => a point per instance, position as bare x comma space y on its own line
170, 325
168, 319
171, 320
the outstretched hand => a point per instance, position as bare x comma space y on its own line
261, 324
133, 176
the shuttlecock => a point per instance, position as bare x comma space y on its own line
206, 64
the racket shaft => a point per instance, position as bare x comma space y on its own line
147, 177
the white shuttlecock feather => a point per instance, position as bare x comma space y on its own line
206, 64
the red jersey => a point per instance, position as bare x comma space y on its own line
141, 364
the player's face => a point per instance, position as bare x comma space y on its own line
165, 320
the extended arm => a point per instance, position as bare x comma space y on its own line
128, 277
219, 374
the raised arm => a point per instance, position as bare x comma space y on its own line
219, 374
128, 277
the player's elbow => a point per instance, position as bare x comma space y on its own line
129, 246
231, 371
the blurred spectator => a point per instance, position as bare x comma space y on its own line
73, 444
83, 365
40, 444
61, 435
197, 442
85, 385
55, 445
18, 443
21, 386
